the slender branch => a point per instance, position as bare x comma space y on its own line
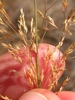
45, 21
52, 5
46, 10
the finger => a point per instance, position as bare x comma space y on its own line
39, 94
66, 95
22, 76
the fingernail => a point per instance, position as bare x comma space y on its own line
33, 96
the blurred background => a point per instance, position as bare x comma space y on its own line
52, 36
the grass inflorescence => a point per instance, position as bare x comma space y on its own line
34, 71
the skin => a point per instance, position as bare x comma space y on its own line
47, 95
19, 83
39, 94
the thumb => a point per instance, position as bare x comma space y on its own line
39, 94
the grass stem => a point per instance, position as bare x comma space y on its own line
35, 23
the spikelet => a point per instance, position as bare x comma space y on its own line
4, 98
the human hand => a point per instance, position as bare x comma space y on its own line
13, 81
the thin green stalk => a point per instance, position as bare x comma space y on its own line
35, 23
